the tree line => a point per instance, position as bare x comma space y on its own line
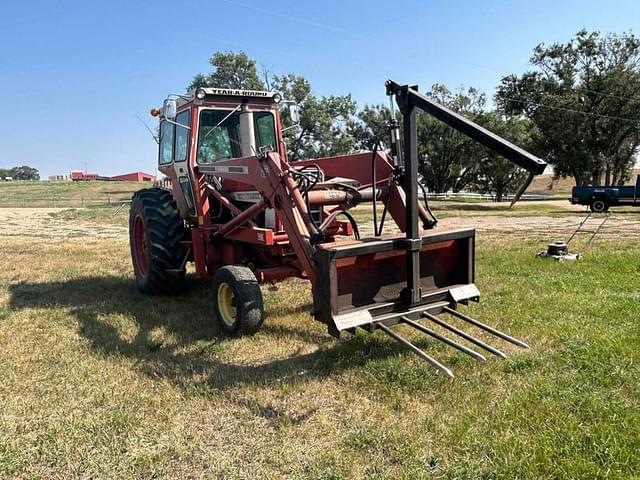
20, 173
578, 108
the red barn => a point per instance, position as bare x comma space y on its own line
135, 177
78, 176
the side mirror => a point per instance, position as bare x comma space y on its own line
293, 113
169, 109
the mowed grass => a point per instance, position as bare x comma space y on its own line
65, 194
113, 215
99, 381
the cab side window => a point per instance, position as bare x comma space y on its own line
265, 130
166, 143
182, 136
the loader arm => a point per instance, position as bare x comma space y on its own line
358, 167
270, 175
408, 98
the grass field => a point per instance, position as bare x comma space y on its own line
100, 194
82, 194
362, 213
99, 381
65, 194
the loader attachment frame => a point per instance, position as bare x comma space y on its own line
361, 281
408, 100
381, 282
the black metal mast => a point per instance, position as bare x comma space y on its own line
408, 98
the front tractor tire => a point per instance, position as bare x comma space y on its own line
237, 300
599, 205
155, 232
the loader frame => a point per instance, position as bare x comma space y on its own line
417, 274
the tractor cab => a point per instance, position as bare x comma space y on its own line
209, 125
236, 123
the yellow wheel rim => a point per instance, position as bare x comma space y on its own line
226, 304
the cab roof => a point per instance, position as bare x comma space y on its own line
231, 95
236, 92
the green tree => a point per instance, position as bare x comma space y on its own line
230, 70
322, 130
24, 172
448, 158
369, 126
584, 97
494, 173
323, 119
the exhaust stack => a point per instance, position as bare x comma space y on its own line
247, 132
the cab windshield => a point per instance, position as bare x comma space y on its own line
217, 142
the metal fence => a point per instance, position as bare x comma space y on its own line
486, 196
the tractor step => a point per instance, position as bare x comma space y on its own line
182, 270
447, 341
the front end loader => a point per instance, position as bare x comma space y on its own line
244, 216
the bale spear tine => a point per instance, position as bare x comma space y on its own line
444, 339
487, 328
430, 360
464, 335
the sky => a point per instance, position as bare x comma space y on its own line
74, 75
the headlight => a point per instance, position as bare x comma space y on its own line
277, 98
200, 93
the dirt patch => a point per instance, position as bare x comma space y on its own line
551, 227
622, 225
39, 222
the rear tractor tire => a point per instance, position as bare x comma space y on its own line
155, 232
599, 205
237, 300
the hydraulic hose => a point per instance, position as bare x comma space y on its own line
384, 210
373, 185
434, 221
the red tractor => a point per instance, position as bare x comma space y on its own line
244, 216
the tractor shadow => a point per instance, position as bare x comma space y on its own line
193, 355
